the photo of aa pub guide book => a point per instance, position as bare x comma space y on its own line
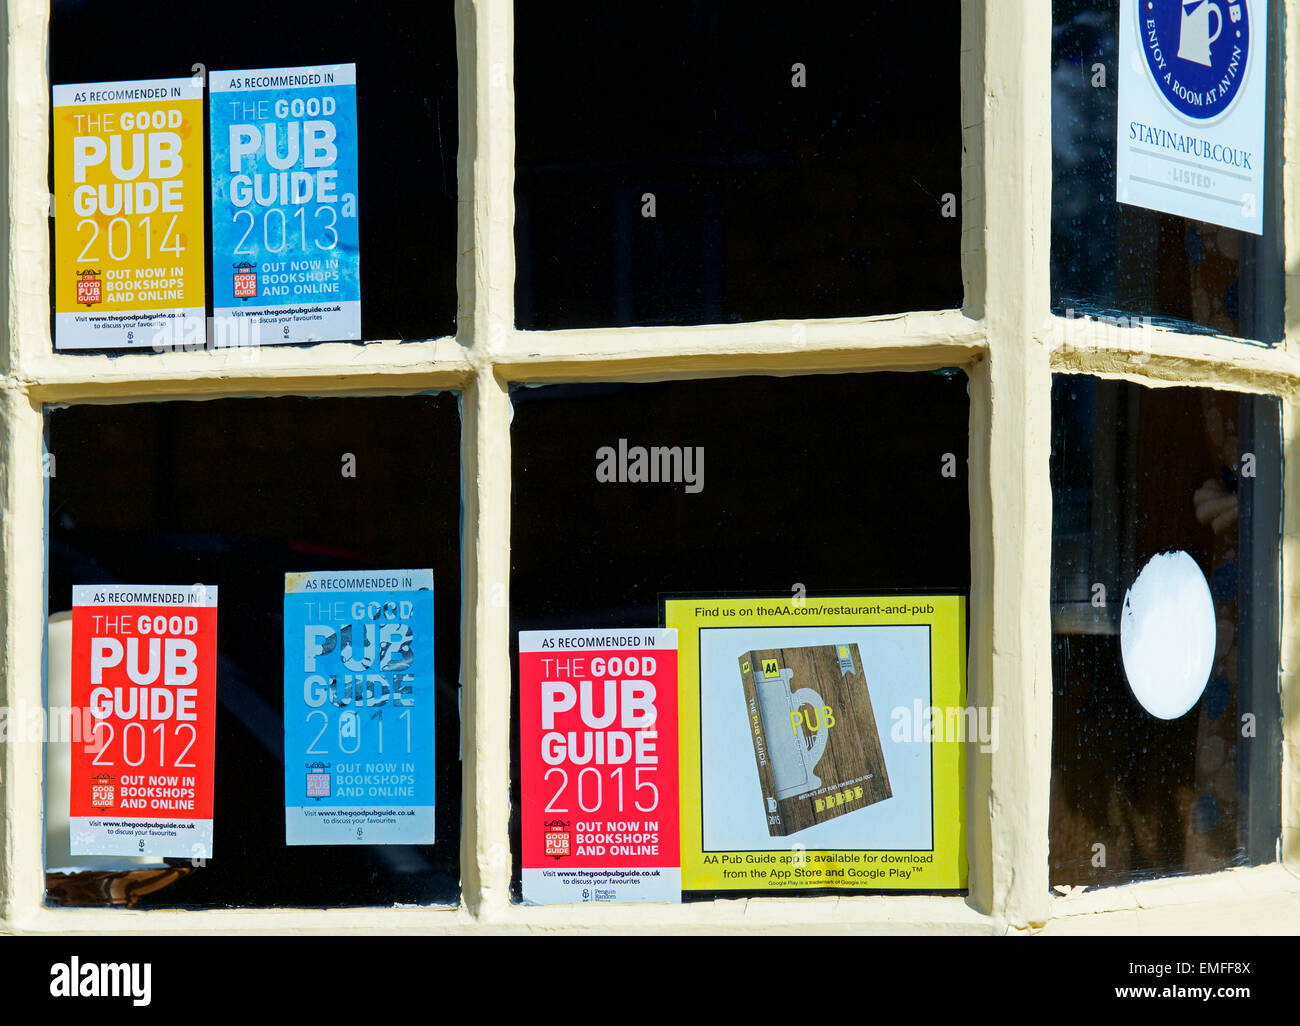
814, 734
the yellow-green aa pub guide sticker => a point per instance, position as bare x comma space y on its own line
823, 742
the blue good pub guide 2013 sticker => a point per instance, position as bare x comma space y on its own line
1197, 52
286, 260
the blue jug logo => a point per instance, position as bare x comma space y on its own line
1197, 51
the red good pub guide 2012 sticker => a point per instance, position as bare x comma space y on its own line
598, 736
144, 663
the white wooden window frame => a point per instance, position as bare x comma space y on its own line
1005, 338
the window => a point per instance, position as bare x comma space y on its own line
668, 166
405, 90
1110, 257
782, 467
576, 317
146, 491
1138, 474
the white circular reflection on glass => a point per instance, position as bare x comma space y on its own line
1167, 635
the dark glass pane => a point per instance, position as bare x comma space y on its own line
237, 492
1110, 257
771, 200
406, 118
833, 482
1138, 472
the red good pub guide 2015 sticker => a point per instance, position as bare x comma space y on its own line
144, 661
598, 736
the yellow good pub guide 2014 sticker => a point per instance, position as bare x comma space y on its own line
822, 742
129, 201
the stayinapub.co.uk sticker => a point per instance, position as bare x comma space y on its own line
1191, 109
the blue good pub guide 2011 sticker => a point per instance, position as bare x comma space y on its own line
359, 697
1197, 51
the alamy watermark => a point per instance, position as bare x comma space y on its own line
923, 724
189, 334
77, 979
59, 724
1129, 335
656, 464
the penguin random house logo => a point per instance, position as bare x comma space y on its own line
74, 978
90, 287
1197, 52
